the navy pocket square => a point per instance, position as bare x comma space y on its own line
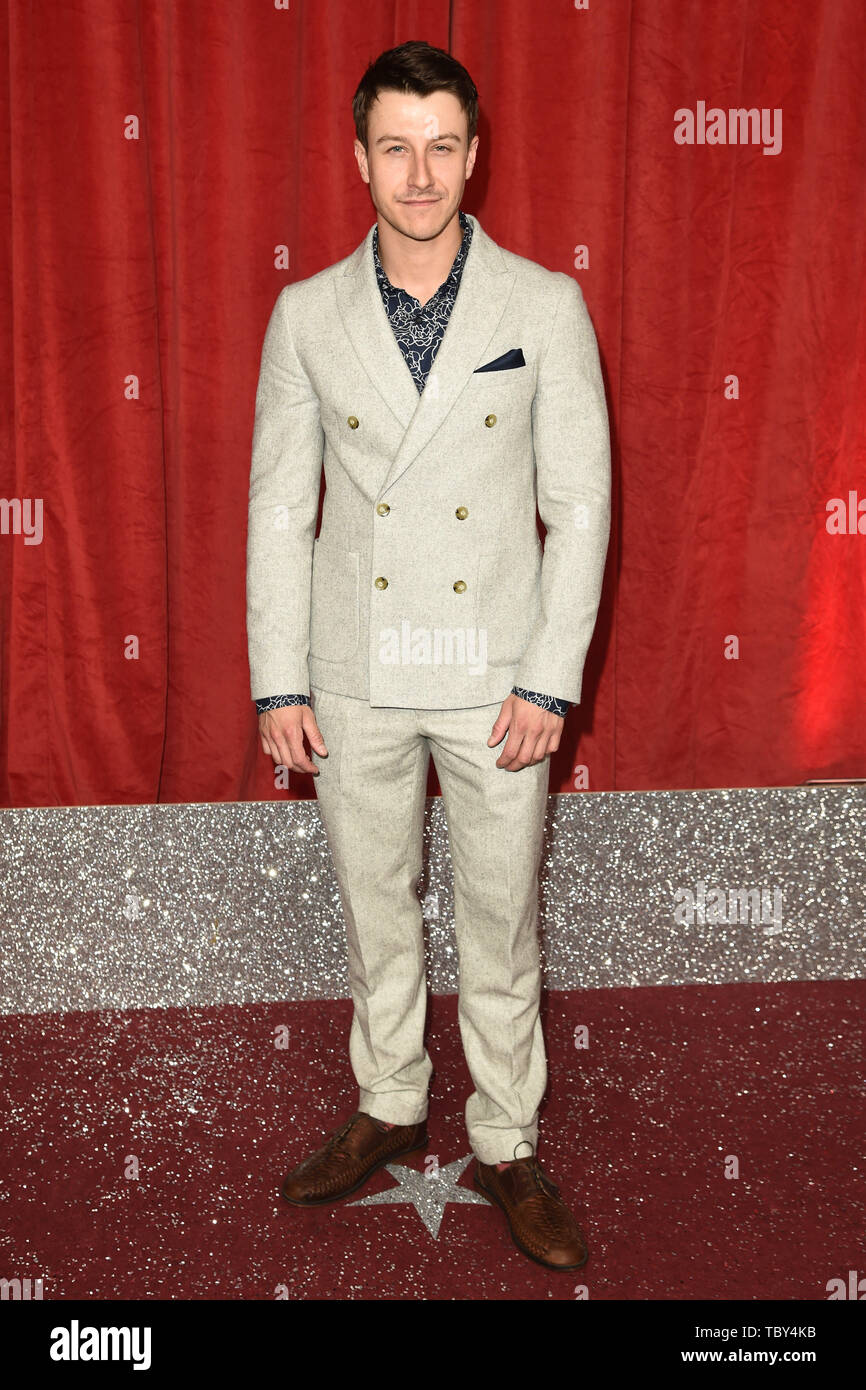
513, 358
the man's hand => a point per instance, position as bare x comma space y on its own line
534, 733
281, 731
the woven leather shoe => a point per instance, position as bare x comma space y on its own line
348, 1157
540, 1223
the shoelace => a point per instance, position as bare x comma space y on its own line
331, 1146
530, 1173
534, 1190
336, 1143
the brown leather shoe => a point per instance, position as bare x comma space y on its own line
349, 1156
540, 1223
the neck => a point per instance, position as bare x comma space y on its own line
419, 267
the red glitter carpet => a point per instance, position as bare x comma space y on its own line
636, 1128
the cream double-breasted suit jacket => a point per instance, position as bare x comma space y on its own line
427, 586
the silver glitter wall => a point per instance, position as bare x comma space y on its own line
116, 907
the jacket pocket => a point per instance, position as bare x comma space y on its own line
334, 603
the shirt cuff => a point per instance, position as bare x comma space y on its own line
560, 707
278, 701
549, 702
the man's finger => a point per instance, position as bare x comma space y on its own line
313, 732
498, 732
513, 748
298, 760
542, 746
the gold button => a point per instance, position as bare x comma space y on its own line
383, 509
381, 583
353, 422
490, 421
459, 586
462, 513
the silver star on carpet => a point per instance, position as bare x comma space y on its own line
428, 1195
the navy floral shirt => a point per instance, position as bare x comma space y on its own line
419, 330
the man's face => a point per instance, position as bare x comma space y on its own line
417, 161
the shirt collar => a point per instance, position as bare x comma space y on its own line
453, 276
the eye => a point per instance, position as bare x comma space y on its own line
391, 148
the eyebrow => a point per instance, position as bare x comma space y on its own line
402, 139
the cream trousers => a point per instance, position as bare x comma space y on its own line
371, 791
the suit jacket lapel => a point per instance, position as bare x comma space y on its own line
485, 287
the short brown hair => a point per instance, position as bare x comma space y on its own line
418, 68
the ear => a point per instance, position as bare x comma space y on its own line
361, 157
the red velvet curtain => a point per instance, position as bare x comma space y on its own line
156, 155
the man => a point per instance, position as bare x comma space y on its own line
451, 387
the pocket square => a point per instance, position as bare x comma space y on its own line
513, 358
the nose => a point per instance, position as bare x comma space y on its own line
419, 175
